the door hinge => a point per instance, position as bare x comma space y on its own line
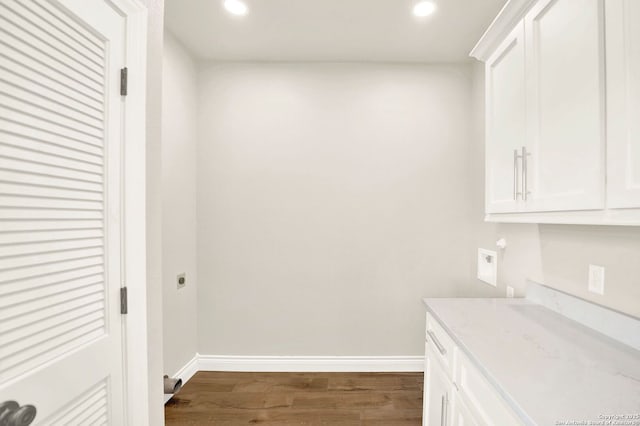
124, 305
123, 81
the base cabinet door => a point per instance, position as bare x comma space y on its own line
460, 414
481, 399
437, 393
564, 158
623, 103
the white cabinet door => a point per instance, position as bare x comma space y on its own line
460, 414
60, 206
437, 392
623, 103
565, 106
505, 121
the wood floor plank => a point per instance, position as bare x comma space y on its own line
341, 399
386, 383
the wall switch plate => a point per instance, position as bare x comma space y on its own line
510, 292
181, 280
488, 266
596, 279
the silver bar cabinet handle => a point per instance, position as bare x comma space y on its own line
444, 420
436, 342
525, 183
515, 175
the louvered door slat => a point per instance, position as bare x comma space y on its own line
76, 288
18, 124
48, 203
61, 277
92, 398
98, 418
25, 75
93, 416
32, 46
25, 249
40, 61
49, 225
17, 262
11, 176
41, 214
33, 190
90, 412
27, 346
45, 112
48, 236
49, 268
73, 107
35, 35
38, 18
12, 134
69, 26
71, 305
18, 335
14, 165
74, 116
25, 154
45, 68
14, 112
58, 300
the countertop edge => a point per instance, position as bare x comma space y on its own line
487, 375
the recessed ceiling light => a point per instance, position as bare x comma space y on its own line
424, 8
236, 7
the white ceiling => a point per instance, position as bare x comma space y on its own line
330, 30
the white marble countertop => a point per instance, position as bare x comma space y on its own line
547, 367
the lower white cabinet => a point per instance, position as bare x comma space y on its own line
437, 392
455, 392
460, 414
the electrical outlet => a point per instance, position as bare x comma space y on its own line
181, 280
510, 292
596, 279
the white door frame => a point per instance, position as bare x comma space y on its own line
135, 347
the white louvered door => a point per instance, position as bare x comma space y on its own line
61, 116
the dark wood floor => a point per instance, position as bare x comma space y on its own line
390, 399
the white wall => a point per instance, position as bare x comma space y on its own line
331, 199
179, 127
557, 255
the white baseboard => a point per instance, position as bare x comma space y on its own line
189, 369
354, 364
185, 373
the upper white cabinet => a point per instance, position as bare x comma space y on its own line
562, 108
623, 103
564, 164
505, 82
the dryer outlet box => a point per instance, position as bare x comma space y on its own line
488, 266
